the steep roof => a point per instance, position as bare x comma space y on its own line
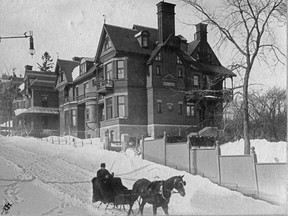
124, 39
67, 66
192, 46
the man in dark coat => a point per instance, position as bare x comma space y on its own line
103, 174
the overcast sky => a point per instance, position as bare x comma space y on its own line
68, 28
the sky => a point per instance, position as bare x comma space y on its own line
68, 28
41, 178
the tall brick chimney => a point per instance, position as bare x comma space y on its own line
201, 32
166, 20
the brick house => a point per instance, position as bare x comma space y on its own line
145, 81
77, 96
36, 105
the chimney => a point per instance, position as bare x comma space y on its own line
201, 32
166, 21
28, 67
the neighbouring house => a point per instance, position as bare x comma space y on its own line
36, 105
77, 96
144, 81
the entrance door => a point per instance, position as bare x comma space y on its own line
81, 121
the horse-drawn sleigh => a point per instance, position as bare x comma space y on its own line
157, 193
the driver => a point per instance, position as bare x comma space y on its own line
103, 174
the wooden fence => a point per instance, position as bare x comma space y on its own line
237, 172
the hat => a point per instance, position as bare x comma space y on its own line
103, 165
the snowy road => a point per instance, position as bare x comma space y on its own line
41, 178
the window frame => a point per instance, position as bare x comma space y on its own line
119, 69
108, 72
190, 110
180, 75
109, 108
121, 104
198, 81
74, 117
158, 70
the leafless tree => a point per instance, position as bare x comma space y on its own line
247, 25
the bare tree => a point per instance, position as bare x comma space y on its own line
247, 25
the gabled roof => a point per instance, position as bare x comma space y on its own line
123, 39
67, 66
192, 46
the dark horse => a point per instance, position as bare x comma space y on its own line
157, 193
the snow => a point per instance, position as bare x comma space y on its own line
41, 178
267, 152
75, 72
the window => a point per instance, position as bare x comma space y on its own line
107, 43
178, 60
109, 108
145, 41
196, 80
44, 122
94, 82
159, 106
180, 111
83, 68
190, 109
66, 118
120, 69
74, 117
121, 106
108, 71
44, 101
61, 77
158, 70
76, 92
87, 114
85, 88
180, 73
158, 57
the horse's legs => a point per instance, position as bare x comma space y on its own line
154, 209
99, 205
141, 207
165, 209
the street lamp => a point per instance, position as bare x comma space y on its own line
31, 42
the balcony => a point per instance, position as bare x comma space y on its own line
79, 98
104, 86
206, 94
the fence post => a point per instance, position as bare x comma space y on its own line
165, 152
189, 156
218, 155
254, 161
142, 146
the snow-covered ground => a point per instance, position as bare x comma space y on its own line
40, 178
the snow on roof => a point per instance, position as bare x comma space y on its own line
22, 86
75, 73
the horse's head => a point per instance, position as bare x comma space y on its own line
179, 184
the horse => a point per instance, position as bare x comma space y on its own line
157, 193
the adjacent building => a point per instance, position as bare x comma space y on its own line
143, 81
36, 105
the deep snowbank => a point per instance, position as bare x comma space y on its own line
66, 171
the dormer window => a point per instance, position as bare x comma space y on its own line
158, 57
143, 38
